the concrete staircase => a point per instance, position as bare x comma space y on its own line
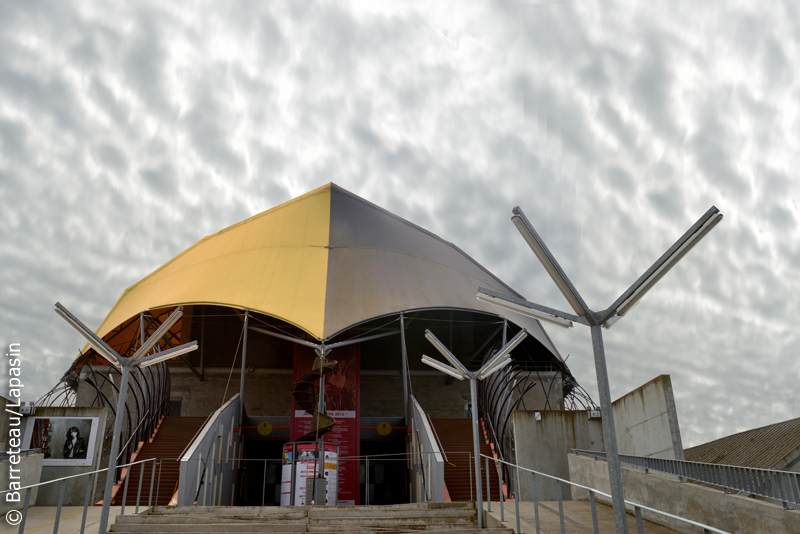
432, 518
455, 436
172, 437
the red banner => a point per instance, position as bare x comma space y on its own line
343, 399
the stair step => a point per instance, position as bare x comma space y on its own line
354, 513
208, 527
430, 518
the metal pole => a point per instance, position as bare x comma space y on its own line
560, 506
264, 485
488, 487
536, 503
639, 526
158, 484
125, 491
112, 457
609, 433
502, 495
60, 502
471, 487
202, 335
516, 497
24, 510
322, 407
139, 491
473, 391
86, 502
404, 356
244, 368
152, 480
595, 526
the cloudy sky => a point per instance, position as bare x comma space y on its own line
128, 132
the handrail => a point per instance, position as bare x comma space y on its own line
133, 435
783, 486
74, 476
203, 430
598, 492
178, 459
436, 435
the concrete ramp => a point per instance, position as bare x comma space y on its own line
432, 518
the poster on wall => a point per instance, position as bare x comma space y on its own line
343, 400
63, 440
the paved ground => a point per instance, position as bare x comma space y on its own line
41, 519
578, 514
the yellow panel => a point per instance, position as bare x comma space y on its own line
275, 263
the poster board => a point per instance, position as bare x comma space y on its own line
307, 466
343, 401
64, 441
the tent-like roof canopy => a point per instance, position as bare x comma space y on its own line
324, 261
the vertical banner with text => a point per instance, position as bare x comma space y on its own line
343, 399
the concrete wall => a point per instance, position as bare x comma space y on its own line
731, 513
544, 445
646, 421
267, 391
547, 394
30, 466
75, 492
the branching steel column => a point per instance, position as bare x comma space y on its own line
112, 456
609, 433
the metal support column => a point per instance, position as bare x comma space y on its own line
473, 391
244, 369
404, 356
609, 433
202, 336
112, 455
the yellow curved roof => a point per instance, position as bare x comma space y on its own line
274, 262
323, 261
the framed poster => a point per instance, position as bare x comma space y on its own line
63, 440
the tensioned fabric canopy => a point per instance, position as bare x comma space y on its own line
324, 261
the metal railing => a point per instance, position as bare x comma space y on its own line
213, 454
88, 497
428, 460
637, 508
780, 486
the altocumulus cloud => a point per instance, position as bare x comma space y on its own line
130, 131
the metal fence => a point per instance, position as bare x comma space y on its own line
780, 486
515, 476
88, 497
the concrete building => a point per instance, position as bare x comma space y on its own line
774, 446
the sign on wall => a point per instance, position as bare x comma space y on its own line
343, 400
63, 440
